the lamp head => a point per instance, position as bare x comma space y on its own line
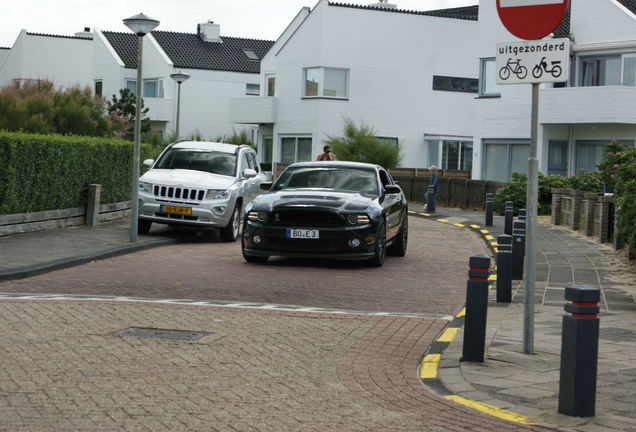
180, 77
141, 24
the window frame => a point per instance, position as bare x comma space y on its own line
484, 79
320, 90
98, 83
446, 83
509, 143
256, 89
296, 139
131, 84
599, 58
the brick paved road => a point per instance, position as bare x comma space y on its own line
431, 278
61, 367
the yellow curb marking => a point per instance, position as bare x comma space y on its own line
496, 250
428, 369
459, 225
490, 410
489, 237
448, 335
442, 220
484, 231
492, 277
461, 313
475, 226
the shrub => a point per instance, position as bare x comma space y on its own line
38, 108
515, 191
619, 172
50, 172
360, 144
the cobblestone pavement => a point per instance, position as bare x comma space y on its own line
64, 369
284, 349
431, 278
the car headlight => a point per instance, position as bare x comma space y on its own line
355, 219
146, 187
257, 216
217, 194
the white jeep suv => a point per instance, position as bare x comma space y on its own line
199, 183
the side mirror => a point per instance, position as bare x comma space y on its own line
392, 189
249, 173
266, 185
148, 163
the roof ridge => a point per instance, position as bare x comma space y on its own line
453, 13
60, 36
222, 36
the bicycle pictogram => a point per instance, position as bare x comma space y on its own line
542, 66
514, 67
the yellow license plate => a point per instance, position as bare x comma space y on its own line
176, 210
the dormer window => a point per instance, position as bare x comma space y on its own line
250, 54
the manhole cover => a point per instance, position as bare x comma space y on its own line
150, 333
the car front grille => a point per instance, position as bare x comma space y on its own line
291, 218
174, 192
275, 243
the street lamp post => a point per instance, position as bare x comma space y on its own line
141, 25
179, 77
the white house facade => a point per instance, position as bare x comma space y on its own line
426, 80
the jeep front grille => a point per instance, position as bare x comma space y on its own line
174, 192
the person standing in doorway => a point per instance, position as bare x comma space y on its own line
326, 154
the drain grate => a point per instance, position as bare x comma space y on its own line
150, 333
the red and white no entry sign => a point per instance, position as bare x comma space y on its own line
531, 19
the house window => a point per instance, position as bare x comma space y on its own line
132, 86
488, 78
295, 149
98, 88
446, 83
558, 158
503, 157
271, 84
325, 82
252, 89
600, 71
268, 145
455, 154
389, 140
629, 70
151, 88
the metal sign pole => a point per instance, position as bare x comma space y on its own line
531, 222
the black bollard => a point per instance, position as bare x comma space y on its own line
522, 214
476, 309
430, 199
518, 249
504, 268
490, 202
508, 217
579, 352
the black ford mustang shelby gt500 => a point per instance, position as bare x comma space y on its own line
335, 210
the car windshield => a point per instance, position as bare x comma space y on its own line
199, 160
344, 179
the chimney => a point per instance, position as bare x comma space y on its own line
384, 4
86, 33
209, 32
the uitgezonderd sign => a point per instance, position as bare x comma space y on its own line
533, 61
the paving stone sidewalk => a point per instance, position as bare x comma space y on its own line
529, 384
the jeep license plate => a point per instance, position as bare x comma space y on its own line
302, 233
175, 210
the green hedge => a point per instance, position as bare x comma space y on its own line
50, 172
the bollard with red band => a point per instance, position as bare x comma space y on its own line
579, 352
476, 309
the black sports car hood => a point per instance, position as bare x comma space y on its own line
341, 201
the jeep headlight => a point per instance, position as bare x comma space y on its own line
217, 194
146, 187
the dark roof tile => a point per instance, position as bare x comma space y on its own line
188, 51
629, 4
